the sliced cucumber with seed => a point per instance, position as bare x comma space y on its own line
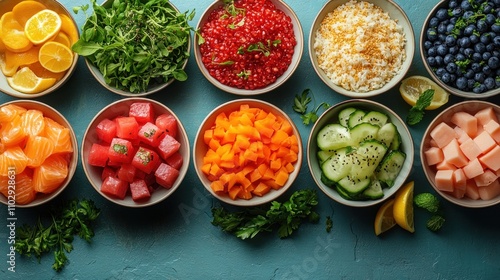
390, 167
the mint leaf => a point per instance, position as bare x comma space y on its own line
416, 113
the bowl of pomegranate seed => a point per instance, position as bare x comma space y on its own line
248, 47
361, 48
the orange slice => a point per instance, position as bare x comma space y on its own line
42, 72
7, 69
42, 26
68, 26
13, 60
27, 82
13, 36
55, 57
49, 176
26, 9
62, 38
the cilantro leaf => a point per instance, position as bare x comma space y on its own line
300, 106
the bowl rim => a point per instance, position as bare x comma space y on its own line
40, 198
88, 169
369, 104
464, 202
450, 89
96, 73
14, 93
298, 51
198, 141
405, 67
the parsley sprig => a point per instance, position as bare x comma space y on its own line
300, 106
416, 113
286, 217
74, 218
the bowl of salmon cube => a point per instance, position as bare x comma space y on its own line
460, 154
38, 153
247, 152
35, 47
135, 152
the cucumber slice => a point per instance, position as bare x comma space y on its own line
355, 118
327, 181
387, 133
375, 117
362, 132
324, 155
396, 142
390, 167
343, 193
374, 191
366, 159
344, 115
338, 165
333, 137
353, 186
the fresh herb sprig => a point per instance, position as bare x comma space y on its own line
73, 218
286, 217
431, 204
300, 106
134, 43
416, 113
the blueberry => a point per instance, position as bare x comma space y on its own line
460, 57
431, 34
468, 52
496, 2
496, 27
442, 14
428, 45
464, 42
469, 30
486, 56
489, 83
477, 57
461, 83
439, 60
491, 47
494, 62
487, 9
442, 50
490, 18
469, 74
468, 14
480, 47
482, 26
479, 89
453, 4
451, 41
470, 83
474, 38
496, 41
466, 5
432, 51
451, 67
433, 22
449, 28
485, 38
476, 67
479, 77
431, 61
448, 58
487, 70
441, 29
446, 78
440, 72
454, 50
456, 12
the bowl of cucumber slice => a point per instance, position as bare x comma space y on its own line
359, 152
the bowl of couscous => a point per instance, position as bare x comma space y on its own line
361, 48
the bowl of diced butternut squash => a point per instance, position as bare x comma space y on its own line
35, 47
460, 154
38, 153
135, 152
247, 152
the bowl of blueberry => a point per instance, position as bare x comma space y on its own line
460, 47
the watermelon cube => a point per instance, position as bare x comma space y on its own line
146, 160
107, 172
126, 127
143, 112
139, 190
150, 134
115, 187
167, 123
106, 130
126, 172
168, 146
166, 175
175, 160
98, 155
120, 151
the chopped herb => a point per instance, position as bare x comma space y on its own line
329, 224
119, 148
416, 113
244, 74
300, 106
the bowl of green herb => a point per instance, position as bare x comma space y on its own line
134, 48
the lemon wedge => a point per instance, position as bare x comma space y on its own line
403, 207
412, 87
384, 220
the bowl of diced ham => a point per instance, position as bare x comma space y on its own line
460, 154
135, 152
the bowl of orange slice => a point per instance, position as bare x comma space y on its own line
35, 47
38, 153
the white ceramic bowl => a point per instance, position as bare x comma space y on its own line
153, 87
396, 13
200, 149
331, 116
121, 108
6, 6
52, 113
431, 70
297, 29
471, 107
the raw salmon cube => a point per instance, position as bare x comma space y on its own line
466, 121
442, 134
471, 190
444, 180
485, 115
489, 192
470, 149
493, 128
461, 135
454, 155
473, 169
486, 178
491, 159
484, 141
434, 155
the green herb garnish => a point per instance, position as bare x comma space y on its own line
286, 217
74, 218
119, 148
416, 113
328, 224
431, 204
300, 106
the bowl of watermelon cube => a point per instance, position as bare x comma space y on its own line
247, 152
460, 154
39, 153
360, 152
135, 152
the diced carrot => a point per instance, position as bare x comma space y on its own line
275, 164
217, 186
281, 177
233, 192
255, 175
205, 168
214, 144
261, 189
208, 135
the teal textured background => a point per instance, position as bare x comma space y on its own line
175, 239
